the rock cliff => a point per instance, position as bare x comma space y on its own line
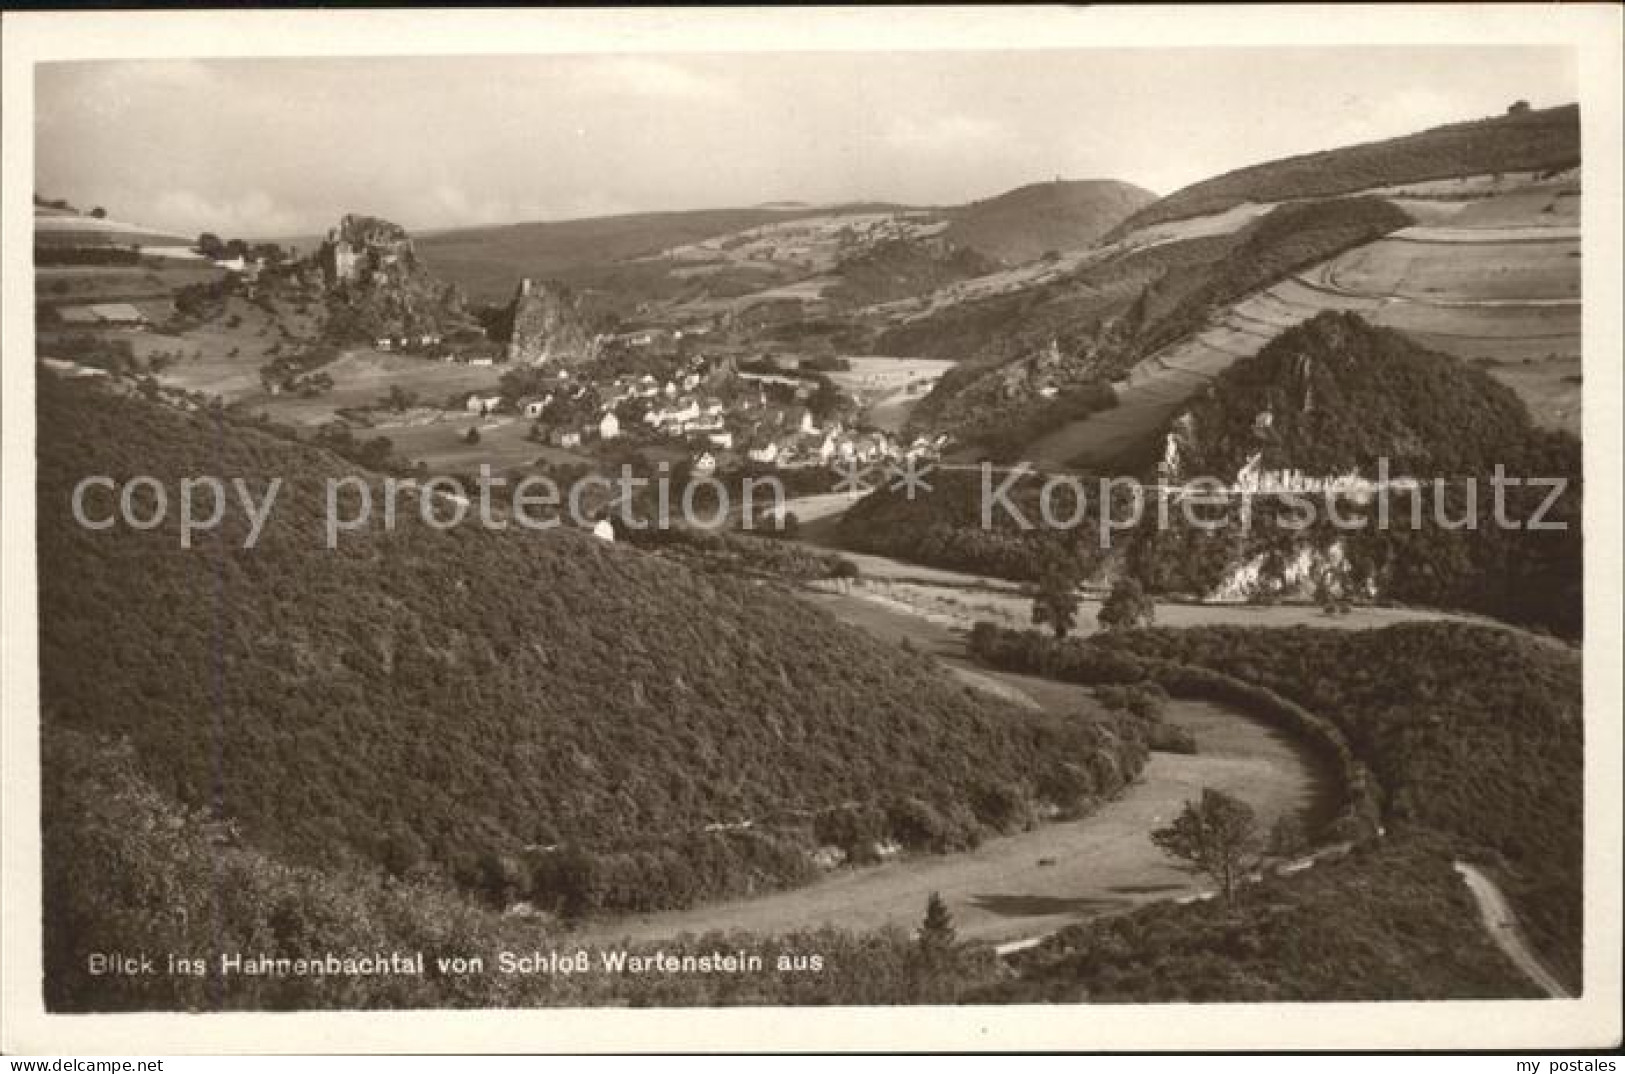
547, 326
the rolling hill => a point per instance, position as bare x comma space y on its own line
530, 715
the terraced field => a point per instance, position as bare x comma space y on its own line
56, 227
1494, 280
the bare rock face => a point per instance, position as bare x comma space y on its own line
547, 327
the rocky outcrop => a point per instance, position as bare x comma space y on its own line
377, 287
547, 326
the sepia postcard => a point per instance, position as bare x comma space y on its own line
826, 529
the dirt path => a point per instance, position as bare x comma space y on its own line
1034, 882
1502, 925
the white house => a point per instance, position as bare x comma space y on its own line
679, 416
482, 404
705, 463
722, 440
604, 531
535, 408
609, 427
767, 454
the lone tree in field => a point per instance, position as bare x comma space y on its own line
1127, 606
937, 935
1215, 835
1055, 601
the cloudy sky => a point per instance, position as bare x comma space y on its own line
284, 147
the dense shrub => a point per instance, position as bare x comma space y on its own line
126, 869
1471, 731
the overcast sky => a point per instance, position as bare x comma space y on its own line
284, 147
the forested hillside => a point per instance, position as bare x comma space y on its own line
1030, 221
126, 866
1390, 922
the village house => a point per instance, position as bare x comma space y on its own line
105, 315
722, 440
482, 404
609, 427
767, 454
534, 406
705, 463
